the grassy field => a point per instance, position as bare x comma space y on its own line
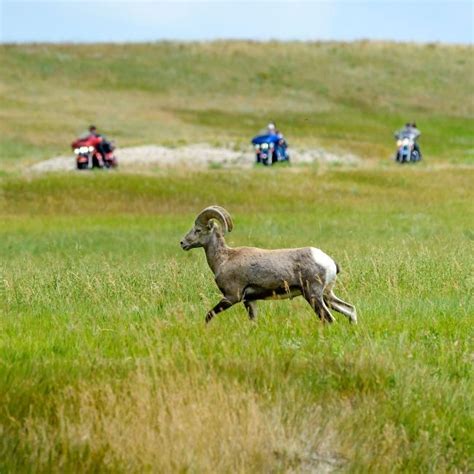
106, 364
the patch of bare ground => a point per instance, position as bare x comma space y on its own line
195, 156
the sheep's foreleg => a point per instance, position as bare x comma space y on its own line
251, 308
223, 304
323, 311
315, 299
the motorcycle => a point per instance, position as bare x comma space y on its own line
270, 149
94, 152
406, 151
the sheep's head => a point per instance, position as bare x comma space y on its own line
205, 226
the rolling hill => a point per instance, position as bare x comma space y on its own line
346, 96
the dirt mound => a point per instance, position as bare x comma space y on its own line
194, 156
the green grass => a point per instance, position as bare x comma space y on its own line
106, 364
342, 96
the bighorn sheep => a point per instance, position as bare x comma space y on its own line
247, 274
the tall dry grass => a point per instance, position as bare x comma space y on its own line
190, 422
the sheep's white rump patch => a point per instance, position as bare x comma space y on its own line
325, 261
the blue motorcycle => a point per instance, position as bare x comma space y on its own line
270, 148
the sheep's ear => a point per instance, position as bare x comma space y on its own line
210, 224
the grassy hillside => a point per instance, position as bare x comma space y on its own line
343, 96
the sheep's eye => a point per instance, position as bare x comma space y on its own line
198, 231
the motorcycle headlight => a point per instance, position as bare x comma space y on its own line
264, 146
257, 147
406, 141
399, 143
76, 151
84, 149
91, 148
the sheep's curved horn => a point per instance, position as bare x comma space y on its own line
228, 219
212, 213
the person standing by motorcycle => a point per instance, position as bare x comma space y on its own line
410, 130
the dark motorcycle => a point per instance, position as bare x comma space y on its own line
270, 149
94, 152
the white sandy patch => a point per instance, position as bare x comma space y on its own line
195, 156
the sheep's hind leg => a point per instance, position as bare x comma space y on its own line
251, 307
316, 301
341, 307
223, 304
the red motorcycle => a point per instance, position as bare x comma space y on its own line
94, 151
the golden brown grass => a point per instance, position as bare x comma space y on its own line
190, 422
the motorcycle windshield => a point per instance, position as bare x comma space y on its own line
259, 139
409, 135
91, 140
